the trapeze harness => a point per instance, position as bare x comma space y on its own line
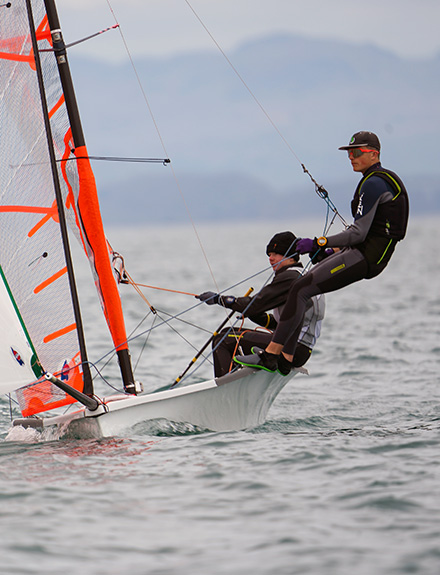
389, 222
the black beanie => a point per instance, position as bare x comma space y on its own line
282, 244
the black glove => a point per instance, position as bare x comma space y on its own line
321, 255
209, 297
226, 300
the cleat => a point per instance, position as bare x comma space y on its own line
261, 360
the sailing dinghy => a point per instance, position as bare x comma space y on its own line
48, 191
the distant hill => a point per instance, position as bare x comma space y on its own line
234, 196
228, 158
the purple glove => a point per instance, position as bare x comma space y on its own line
329, 252
305, 245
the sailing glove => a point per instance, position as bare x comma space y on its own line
226, 300
306, 245
309, 246
321, 254
209, 297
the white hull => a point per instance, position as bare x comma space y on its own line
234, 402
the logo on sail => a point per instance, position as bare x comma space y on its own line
17, 356
64, 376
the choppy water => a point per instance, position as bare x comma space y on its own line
342, 479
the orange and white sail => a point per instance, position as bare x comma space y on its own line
32, 255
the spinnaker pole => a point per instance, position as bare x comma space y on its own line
87, 376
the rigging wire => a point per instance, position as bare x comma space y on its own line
239, 318
320, 190
178, 315
240, 77
144, 95
190, 323
229, 320
144, 346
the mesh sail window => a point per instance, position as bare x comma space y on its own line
31, 250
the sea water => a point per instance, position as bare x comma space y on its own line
342, 479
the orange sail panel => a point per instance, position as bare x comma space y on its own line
32, 255
31, 250
99, 255
44, 396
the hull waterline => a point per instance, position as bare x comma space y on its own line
234, 402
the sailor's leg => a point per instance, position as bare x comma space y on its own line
337, 271
223, 346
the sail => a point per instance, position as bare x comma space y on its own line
17, 358
32, 254
31, 250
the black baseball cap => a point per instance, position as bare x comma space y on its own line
363, 140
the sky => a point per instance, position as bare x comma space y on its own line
408, 28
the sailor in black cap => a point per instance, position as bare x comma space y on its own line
285, 263
380, 211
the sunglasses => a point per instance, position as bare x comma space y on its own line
357, 152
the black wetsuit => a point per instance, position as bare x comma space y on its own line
380, 210
270, 297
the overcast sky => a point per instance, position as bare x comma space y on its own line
409, 28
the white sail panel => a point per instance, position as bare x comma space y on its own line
16, 354
31, 251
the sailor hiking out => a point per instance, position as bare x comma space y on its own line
380, 209
288, 269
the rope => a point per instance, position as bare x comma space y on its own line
162, 143
162, 289
318, 188
178, 315
130, 281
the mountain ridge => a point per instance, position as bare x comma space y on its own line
218, 136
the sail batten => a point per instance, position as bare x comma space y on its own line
45, 189
88, 213
31, 249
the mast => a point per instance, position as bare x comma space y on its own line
79, 142
87, 376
